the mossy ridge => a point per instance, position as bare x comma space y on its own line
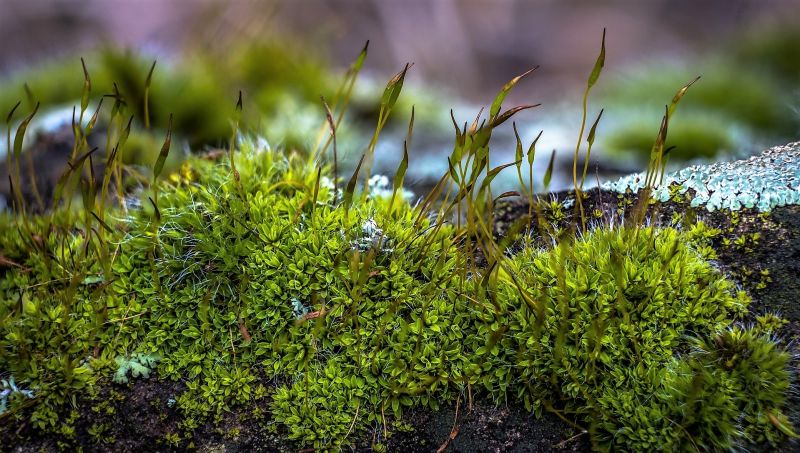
216, 277
668, 289
738, 113
223, 316
280, 80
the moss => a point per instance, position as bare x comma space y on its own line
355, 306
650, 289
700, 236
199, 91
632, 322
213, 285
281, 285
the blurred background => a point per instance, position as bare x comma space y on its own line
284, 54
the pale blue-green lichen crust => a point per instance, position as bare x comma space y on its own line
763, 182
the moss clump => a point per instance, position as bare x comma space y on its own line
270, 278
610, 331
50, 314
358, 312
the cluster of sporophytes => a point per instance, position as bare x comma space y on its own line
264, 275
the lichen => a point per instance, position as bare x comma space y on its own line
761, 182
139, 365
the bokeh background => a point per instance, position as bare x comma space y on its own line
748, 52
469, 46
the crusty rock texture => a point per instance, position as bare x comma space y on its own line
763, 181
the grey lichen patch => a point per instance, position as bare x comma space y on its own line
765, 181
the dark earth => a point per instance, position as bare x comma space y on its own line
141, 417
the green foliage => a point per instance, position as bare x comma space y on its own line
554, 211
752, 377
700, 236
48, 319
694, 134
328, 398
621, 308
198, 91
